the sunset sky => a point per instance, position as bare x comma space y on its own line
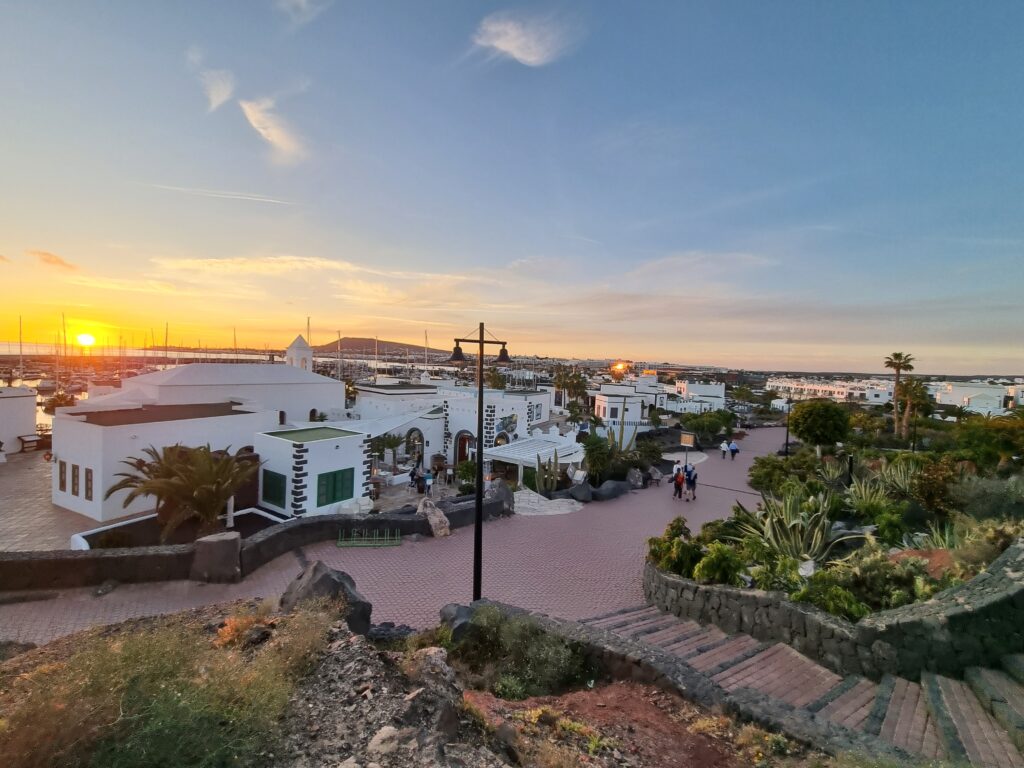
805, 185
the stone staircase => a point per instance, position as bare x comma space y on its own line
979, 719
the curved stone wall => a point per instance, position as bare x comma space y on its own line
974, 624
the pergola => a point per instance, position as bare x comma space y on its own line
524, 453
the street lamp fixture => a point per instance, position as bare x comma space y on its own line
458, 358
789, 407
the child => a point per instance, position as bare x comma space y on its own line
429, 480
677, 485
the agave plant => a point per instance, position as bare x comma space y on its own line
898, 478
866, 498
832, 473
793, 526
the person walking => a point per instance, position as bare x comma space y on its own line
724, 447
690, 476
429, 481
734, 449
677, 485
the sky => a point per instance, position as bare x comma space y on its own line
799, 185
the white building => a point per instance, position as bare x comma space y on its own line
866, 391
90, 446
697, 397
626, 411
17, 418
977, 397
220, 405
314, 471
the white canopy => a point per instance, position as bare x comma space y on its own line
525, 452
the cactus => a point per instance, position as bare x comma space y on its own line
547, 474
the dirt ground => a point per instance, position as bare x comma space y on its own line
629, 724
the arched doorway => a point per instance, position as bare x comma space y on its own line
414, 446
282, 418
463, 443
313, 415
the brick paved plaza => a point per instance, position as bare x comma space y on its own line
28, 519
572, 566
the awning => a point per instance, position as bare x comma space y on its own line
525, 452
375, 427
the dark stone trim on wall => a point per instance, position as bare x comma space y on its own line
974, 624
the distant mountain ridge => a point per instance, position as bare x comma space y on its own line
362, 346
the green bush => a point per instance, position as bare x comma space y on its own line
675, 551
989, 497
831, 598
778, 574
518, 658
530, 478
721, 565
467, 489
768, 474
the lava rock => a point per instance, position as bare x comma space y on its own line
582, 492
611, 489
458, 618
320, 580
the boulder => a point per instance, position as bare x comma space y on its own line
458, 617
582, 492
611, 489
635, 478
429, 666
319, 580
563, 494
435, 517
216, 558
499, 490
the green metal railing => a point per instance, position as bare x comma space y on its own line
364, 537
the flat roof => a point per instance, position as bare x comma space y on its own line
148, 414
400, 387
311, 434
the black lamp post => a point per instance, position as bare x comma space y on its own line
789, 407
478, 527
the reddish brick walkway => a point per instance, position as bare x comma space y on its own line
573, 566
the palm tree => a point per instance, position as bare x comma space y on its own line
190, 482
561, 381
381, 444
576, 413
959, 413
899, 362
576, 387
915, 397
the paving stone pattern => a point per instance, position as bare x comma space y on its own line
573, 565
980, 720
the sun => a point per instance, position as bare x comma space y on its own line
85, 339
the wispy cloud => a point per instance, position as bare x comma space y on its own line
530, 40
301, 12
288, 264
223, 194
218, 84
274, 129
52, 260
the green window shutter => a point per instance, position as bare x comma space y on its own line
274, 485
323, 489
345, 478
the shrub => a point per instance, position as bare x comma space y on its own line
721, 565
517, 658
674, 551
989, 497
530, 478
831, 598
467, 489
779, 574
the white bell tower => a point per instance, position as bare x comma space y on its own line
299, 354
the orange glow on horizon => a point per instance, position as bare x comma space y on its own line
85, 339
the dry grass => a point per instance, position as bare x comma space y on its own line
164, 695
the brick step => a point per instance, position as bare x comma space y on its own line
623, 618
673, 634
967, 731
644, 626
782, 673
614, 614
1003, 697
733, 650
900, 717
848, 704
695, 643
1014, 666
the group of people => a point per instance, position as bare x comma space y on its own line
421, 480
684, 481
730, 448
